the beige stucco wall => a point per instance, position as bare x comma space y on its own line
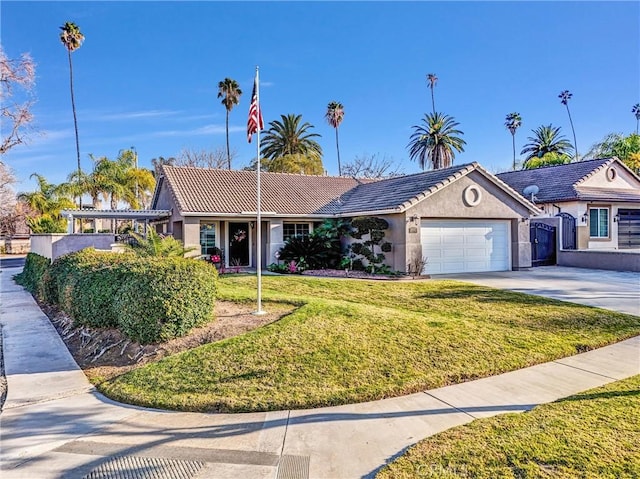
57, 244
602, 179
450, 203
578, 209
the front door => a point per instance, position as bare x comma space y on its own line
238, 244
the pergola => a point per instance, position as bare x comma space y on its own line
135, 215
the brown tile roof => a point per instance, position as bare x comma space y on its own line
204, 190
208, 191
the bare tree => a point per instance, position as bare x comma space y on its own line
372, 166
204, 158
8, 216
15, 116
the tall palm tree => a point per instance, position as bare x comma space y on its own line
546, 139
565, 96
513, 121
334, 116
230, 92
433, 142
72, 39
290, 137
636, 111
432, 79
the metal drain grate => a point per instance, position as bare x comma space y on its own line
293, 467
135, 467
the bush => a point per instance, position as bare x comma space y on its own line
177, 295
149, 299
310, 251
32, 275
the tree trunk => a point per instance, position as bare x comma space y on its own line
338, 149
513, 137
75, 125
228, 153
575, 145
433, 102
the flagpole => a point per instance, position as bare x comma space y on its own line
259, 214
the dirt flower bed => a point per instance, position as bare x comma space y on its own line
106, 353
340, 273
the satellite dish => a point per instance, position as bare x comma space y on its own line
531, 191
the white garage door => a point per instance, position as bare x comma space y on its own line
466, 246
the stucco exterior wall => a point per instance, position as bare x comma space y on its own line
452, 202
622, 179
580, 211
57, 244
609, 260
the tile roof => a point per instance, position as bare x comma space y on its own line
400, 192
203, 190
556, 183
608, 194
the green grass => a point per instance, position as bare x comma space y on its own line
351, 341
595, 434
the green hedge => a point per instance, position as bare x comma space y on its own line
149, 299
35, 268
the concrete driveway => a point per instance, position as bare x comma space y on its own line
614, 290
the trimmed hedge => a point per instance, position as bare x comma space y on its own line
179, 294
35, 268
149, 299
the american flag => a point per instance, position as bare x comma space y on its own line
255, 115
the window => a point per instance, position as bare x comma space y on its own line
207, 238
289, 230
599, 222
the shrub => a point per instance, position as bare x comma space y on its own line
164, 298
310, 250
148, 298
32, 275
374, 228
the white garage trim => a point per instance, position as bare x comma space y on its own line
466, 246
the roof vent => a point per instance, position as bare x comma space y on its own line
531, 191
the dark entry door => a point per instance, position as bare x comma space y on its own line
543, 244
628, 229
239, 244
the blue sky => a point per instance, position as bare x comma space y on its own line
147, 74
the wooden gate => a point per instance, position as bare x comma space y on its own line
568, 231
543, 244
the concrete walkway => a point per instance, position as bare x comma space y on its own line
55, 425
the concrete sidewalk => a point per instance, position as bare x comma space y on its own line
55, 425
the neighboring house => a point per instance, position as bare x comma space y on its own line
602, 195
462, 219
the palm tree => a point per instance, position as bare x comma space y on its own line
546, 139
432, 79
48, 200
230, 92
433, 142
513, 121
290, 137
636, 111
565, 96
334, 116
72, 39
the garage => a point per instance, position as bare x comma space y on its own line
466, 246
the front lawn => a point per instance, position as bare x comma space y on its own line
351, 341
595, 434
